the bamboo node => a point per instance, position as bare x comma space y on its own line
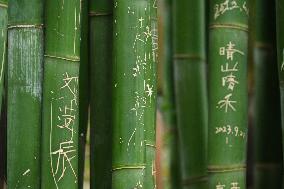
75, 59
264, 46
189, 56
40, 26
194, 180
3, 5
128, 167
151, 145
222, 169
268, 166
92, 13
229, 26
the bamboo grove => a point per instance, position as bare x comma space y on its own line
141, 94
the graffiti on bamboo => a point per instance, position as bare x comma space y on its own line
138, 185
229, 51
22, 178
228, 6
155, 4
144, 35
230, 82
230, 131
64, 113
229, 78
155, 45
227, 104
233, 185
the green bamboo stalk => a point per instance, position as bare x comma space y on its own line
251, 75
25, 56
267, 121
3, 42
190, 90
101, 24
280, 55
3, 52
150, 116
228, 46
171, 179
60, 95
133, 92
83, 91
3, 141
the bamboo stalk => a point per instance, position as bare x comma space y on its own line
280, 58
133, 92
251, 74
3, 52
3, 136
3, 42
171, 172
60, 95
228, 46
25, 55
190, 90
83, 91
267, 121
101, 24
150, 114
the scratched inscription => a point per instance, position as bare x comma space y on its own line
64, 152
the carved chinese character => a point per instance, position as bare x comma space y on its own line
234, 185
230, 80
220, 186
227, 68
227, 103
65, 153
229, 5
229, 51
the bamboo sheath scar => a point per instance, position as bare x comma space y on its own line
267, 120
25, 57
228, 44
101, 35
132, 90
60, 134
190, 91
